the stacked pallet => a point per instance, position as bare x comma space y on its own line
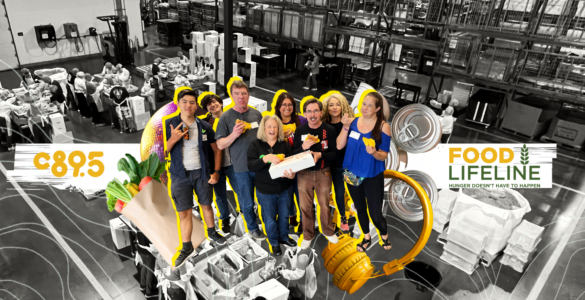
184, 16
173, 14
163, 11
522, 245
173, 3
169, 33
209, 11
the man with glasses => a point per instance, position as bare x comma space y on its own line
317, 179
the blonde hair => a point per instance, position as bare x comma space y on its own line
262, 133
345, 108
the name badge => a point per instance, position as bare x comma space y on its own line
254, 125
304, 137
354, 135
204, 137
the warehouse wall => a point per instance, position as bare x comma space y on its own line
25, 14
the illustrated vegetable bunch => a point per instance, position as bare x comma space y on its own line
140, 174
247, 125
369, 142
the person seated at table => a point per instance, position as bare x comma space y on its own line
123, 74
29, 80
273, 194
148, 91
108, 69
119, 95
80, 94
5, 109
184, 62
93, 95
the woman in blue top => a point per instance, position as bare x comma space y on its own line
367, 162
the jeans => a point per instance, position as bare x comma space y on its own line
292, 192
246, 198
273, 205
221, 191
339, 188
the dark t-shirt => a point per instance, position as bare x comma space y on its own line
155, 69
263, 182
338, 163
58, 95
327, 145
119, 94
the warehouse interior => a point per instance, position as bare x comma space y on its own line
515, 68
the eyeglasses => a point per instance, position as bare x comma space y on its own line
287, 105
310, 112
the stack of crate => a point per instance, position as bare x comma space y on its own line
271, 24
522, 245
463, 248
163, 11
169, 32
195, 12
173, 3
254, 19
174, 14
184, 16
209, 11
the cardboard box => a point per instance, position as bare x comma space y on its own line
239, 39
229, 258
250, 42
270, 290
220, 75
235, 69
62, 137
120, 233
252, 264
140, 120
212, 39
58, 123
296, 163
213, 32
197, 36
137, 105
210, 86
258, 104
192, 61
201, 48
220, 54
262, 51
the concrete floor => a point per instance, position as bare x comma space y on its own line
34, 266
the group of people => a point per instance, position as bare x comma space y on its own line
204, 151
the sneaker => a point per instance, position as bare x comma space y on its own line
121, 131
276, 251
344, 225
289, 242
305, 244
183, 257
216, 238
313, 89
100, 125
257, 234
332, 239
306, 87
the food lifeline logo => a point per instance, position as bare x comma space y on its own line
500, 165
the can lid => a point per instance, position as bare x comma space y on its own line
394, 159
404, 200
416, 128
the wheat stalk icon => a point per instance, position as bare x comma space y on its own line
525, 155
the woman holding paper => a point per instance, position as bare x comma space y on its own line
273, 194
334, 107
364, 165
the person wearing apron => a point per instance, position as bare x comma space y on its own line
119, 95
92, 98
123, 74
80, 93
29, 80
184, 62
148, 91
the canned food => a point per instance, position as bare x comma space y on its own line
416, 128
397, 160
403, 199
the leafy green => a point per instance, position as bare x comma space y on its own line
161, 169
111, 201
134, 168
154, 162
117, 190
123, 165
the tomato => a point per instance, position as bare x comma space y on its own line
120, 205
144, 182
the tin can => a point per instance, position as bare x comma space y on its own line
397, 160
404, 201
416, 128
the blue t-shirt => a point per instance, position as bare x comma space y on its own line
357, 159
